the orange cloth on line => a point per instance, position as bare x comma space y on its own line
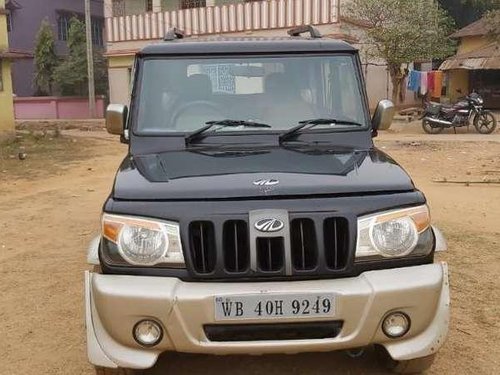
438, 84
430, 83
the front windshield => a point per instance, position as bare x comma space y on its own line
181, 95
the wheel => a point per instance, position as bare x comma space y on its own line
113, 371
485, 122
429, 129
412, 366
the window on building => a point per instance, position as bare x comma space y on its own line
187, 4
9, 22
63, 26
97, 37
118, 8
149, 5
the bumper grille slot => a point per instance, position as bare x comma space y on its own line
202, 241
304, 246
270, 253
336, 237
263, 332
235, 244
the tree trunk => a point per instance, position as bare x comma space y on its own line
397, 78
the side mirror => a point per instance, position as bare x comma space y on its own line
116, 118
382, 118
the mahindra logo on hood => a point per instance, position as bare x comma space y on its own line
269, 225
266, 182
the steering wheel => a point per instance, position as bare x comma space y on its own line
196, 106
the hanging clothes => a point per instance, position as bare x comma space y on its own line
438, 83
430, 83
414, 80
423, 83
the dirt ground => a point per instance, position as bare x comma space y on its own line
49, 209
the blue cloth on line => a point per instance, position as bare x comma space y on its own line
414, 80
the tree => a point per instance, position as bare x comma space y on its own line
465, 12
45, 59
493, 23
403, 31
72, 76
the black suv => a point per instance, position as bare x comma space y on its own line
253, 214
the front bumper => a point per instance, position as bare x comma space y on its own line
115, 303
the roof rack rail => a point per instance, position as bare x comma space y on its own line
297, 31
173, 34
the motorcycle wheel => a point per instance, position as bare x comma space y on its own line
429, 129
485, 122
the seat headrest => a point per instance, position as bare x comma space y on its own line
276, 83
199, 85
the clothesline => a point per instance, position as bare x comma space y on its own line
426, 82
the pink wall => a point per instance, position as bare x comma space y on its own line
53, 107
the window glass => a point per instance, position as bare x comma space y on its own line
63, 26
97, 37
181, 95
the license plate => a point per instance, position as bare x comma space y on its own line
264, 306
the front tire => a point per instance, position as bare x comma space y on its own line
412, 366
429, 129
113, 371
485, 122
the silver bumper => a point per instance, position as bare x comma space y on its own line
115, 303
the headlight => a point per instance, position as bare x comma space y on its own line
144, 242
396, 233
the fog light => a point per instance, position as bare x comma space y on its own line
148, 332
396, 325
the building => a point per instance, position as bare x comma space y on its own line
132, 24
476, 66
23, 21
7, 55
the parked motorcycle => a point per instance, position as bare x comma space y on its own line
438, 116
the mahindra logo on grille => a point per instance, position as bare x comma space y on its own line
269, 225
266, 182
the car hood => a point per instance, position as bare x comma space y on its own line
267, 172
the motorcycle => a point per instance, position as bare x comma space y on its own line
438, 116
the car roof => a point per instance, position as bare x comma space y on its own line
246, 45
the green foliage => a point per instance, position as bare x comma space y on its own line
72, 75
493, 23
465, 12
45, 59
403, 31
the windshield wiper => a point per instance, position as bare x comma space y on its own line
199, 133
296, 130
